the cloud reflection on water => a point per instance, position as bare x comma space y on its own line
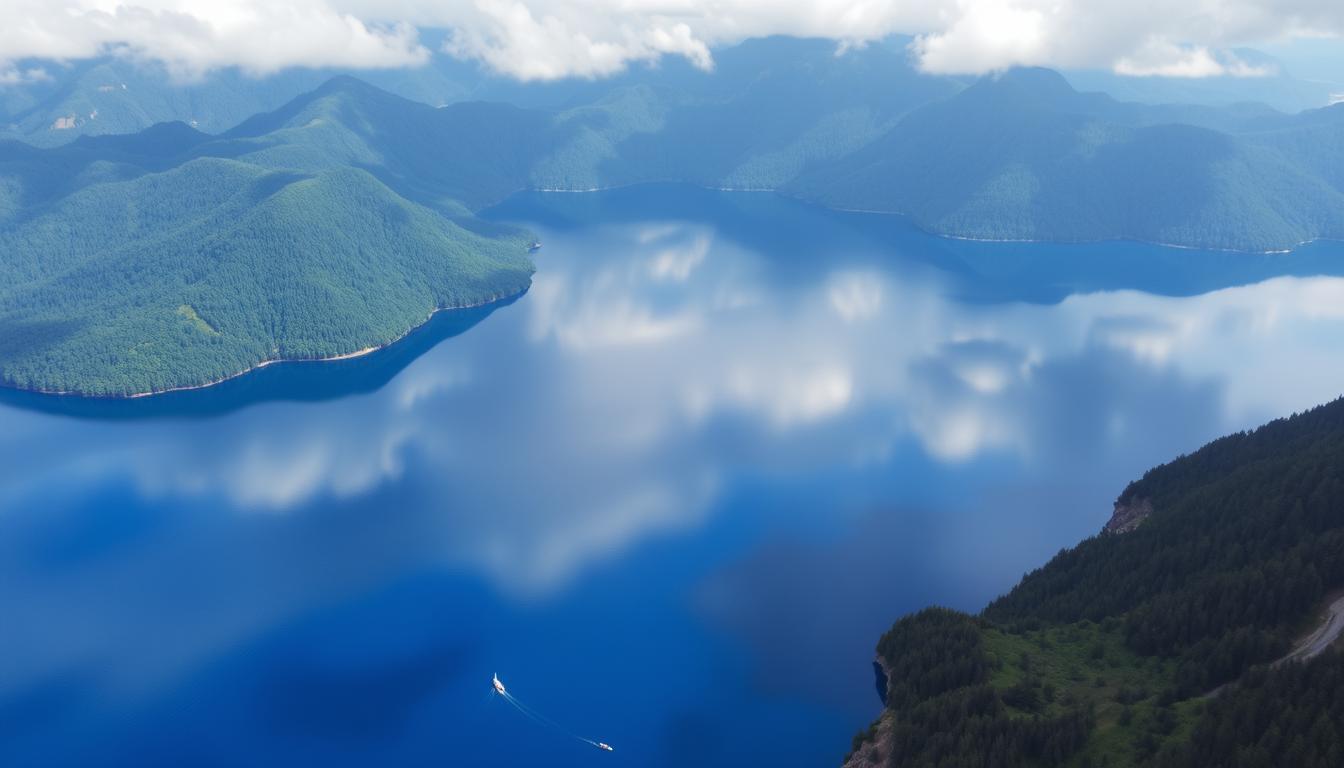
647, 370
615, 379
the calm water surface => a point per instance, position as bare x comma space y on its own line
672, 495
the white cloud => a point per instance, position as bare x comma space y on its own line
856, 296
1139, 37
509, 37
17, 76
191, 37
1162, 58
676, 263
548, 39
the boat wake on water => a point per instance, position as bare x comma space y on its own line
540, 719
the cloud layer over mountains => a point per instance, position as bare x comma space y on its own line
548, 39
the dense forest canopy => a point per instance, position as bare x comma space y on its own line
141, 263
1159, 646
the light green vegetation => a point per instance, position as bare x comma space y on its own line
1086, 665
188, 312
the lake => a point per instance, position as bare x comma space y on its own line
672, 495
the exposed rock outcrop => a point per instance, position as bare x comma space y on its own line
875, 747
1128, 515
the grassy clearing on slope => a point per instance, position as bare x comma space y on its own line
1054, 669
188, 312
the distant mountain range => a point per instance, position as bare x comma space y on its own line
1021, 156
340, 218
1024, 156
113, 94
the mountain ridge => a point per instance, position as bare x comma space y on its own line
1112, 651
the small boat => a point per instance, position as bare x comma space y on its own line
603, 745
534, 247
499, 687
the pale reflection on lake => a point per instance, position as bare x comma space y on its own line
672, 494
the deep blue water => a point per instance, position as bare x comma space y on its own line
671, 495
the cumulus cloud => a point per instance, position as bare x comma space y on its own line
550, 39
15, 75
1141, 38
508, 37
191, 37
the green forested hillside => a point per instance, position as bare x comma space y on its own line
1148, 647
135, 264
165, 215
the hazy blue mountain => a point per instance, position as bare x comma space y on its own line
772, 109
1024, 156
118, 95
110, 95
781, 106
1313, 140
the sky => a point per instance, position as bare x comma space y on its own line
552, 39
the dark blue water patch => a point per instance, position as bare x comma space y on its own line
1047, 272
795, 234
672, 496
55, 533
29, 718
881, 681
297, 381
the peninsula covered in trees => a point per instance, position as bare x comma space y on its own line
136, 264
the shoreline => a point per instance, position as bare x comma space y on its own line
271, 361
913, 223
1029, 241
730, 190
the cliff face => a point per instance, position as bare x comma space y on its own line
1128, 515
876, 745
883, 677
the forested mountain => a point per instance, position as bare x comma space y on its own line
140, 263
113, 95
758, 122
1153, 646
1017, 155
1024, 156
118, 94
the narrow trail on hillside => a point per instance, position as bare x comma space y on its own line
1320, 638
1311, 646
